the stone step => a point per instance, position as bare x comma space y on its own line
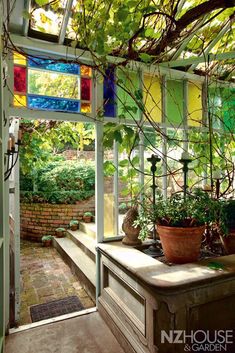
79, 262
84, 241
88, 228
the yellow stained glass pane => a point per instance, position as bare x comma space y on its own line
19, 59
86, 70
152, 98
194, 104
19, 101
86, 108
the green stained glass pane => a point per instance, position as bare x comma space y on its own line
228, 110
128, 84
175, 98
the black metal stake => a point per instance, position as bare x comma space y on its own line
185, 169
154, 249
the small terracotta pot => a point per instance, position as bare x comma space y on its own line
74, 227
181, 245
228, 242
47, 243
87, 219
60, 233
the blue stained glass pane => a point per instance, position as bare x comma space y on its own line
109, 94
48, 64
49, 103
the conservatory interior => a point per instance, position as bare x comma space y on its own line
156, 81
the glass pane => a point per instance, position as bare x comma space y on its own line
86, 89
49, 18
229, 109
109, 94
215, 105
86, 108
48, 64
194, 104
48, 103
19, 59
86, 70
152, 98
175, 180
20, 79
174, 102
19, 101
53, 84
127, 106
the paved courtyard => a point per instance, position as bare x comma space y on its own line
46, 277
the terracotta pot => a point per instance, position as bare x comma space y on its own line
60, 233
181, 245
47, 243
228, 242
87, 219
74, 227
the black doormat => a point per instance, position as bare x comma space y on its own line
55, 308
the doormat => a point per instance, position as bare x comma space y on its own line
55, 308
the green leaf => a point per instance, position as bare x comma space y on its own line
146, 58
42, 2
123, 163
117, 136
109, 168
135, 160
149, 32
26, 15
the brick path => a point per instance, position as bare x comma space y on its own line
45, 277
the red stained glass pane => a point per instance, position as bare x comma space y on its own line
19, 79
86, 89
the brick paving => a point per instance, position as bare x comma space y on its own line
46, 277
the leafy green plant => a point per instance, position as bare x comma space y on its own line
62, 183
194, 210
197, 209
88, 214
47, 238
73, 222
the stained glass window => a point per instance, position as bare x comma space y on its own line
194, 104
109, 94
152, 98
47, 84
20, 79
49, 103
53, 65
175, 98
86, 89
127, 106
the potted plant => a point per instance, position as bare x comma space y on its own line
227, 235
181, 223
60, 232
74, 224
47, 240
87, 217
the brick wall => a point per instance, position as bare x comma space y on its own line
39, 219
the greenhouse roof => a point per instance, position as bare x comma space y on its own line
189, 35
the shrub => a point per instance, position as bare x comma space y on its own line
62, 182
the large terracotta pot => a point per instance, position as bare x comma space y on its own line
181, 245
228, 242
